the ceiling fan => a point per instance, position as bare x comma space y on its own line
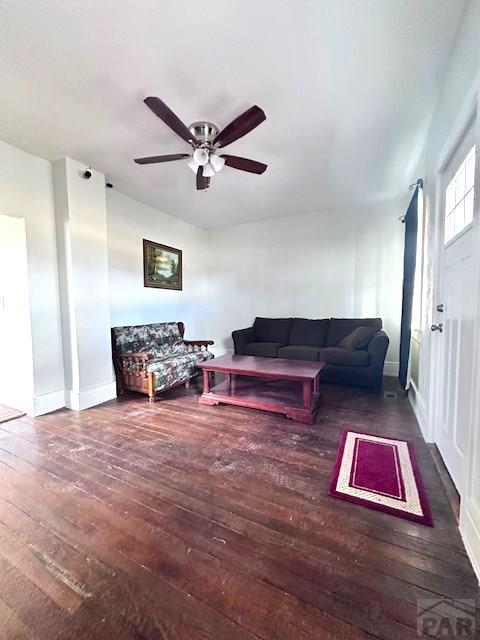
206, 139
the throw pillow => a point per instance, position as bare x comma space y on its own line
358, 338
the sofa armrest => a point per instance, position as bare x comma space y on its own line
377, 349
198, 343
241, 337
132, 362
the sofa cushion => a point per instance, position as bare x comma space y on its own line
299, 352
264, 349
311, 333
339, 328
159, 339
201, 353
272, 329
358, 338
337, 355
170, 370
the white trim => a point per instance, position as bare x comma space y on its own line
434, 354
419, 409
46, 403
391, 368
470, 532
461, 125
80, 400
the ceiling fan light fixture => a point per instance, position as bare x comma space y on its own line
200, 156
208, 170
217, 162
193, 165
205, 141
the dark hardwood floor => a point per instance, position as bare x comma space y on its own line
176, 520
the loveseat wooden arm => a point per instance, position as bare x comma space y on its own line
133, 362
198, 343
192, 343
132, 372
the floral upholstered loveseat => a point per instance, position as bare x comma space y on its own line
153, 357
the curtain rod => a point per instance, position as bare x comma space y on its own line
418, 184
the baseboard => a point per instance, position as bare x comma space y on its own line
220, 351
470, 532
450, 489
46, 403
390, 369
419, 409
80, 400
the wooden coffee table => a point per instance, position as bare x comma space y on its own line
290, 387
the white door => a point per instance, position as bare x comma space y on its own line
455, 312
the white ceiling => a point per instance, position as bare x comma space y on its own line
348, 87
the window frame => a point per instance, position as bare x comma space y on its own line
451, 167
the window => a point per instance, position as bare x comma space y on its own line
459, 198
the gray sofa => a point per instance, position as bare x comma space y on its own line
303, 339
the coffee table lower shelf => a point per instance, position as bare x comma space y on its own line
285, 397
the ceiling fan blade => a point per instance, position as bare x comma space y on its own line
202, 181
240, 126
161, 110
244, 164
168, 158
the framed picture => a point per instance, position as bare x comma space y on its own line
162, 266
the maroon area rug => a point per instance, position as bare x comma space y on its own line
382, 474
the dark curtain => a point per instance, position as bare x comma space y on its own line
409, 258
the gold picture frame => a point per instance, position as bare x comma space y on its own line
162, 266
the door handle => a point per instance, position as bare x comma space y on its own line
437, 327
440, 308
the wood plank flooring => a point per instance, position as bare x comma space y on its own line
7, 413
180, 521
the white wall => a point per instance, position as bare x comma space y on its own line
84, 284
16, 358
461, 87
343, 263
26, 191
463, 67
128, 223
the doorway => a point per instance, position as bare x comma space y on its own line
455, 309
16, 359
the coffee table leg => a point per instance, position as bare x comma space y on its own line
206, 381
307, 394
